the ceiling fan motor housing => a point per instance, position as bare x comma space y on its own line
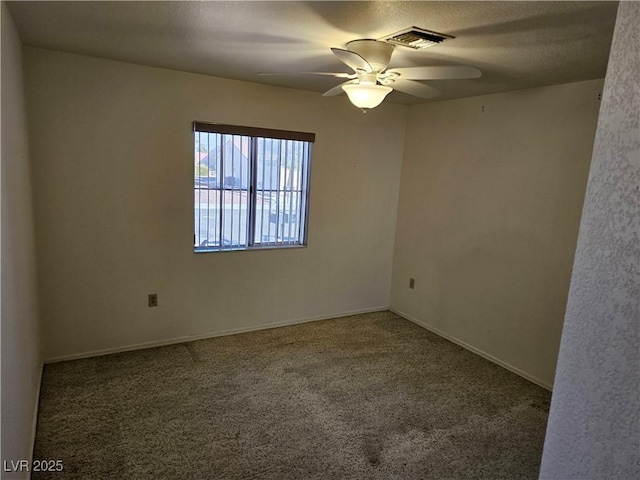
378, 54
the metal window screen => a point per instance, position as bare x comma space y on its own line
250, 191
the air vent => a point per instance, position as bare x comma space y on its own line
416, 38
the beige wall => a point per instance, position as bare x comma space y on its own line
487, 220
491, 194
594, 423
21, 352
112, 150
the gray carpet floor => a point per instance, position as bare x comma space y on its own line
363, 397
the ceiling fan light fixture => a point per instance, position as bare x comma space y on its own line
377, 54
366, 96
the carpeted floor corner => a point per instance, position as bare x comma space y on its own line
369, 396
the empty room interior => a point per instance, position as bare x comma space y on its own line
320, 240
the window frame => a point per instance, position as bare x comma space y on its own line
254, 133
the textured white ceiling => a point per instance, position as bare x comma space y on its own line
515, 44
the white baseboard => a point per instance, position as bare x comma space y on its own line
190, 338
475, 350
233, 331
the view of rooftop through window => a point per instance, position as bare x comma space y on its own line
250, 191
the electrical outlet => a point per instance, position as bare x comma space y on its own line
412, 283
153, 299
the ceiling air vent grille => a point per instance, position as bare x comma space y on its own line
416, 38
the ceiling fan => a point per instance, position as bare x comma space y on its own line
371, 82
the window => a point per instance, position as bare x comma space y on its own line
251, 187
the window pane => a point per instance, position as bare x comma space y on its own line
207, 196
221, 189
279, 191
249, 191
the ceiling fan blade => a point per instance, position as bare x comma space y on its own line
446, 72
337, 90
415, 88
352, 60
331, 74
